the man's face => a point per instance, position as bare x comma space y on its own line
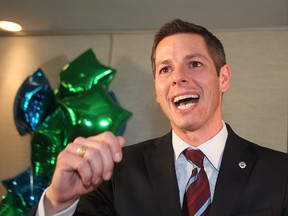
186, 82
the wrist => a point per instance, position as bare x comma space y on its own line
53, 205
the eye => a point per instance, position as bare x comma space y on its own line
165, 70
195, 64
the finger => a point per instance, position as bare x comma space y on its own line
97, 169
105, 146
70, 162
115, 144
121, 140
93, 157
117, 156
101, 151
100, 159
99, 155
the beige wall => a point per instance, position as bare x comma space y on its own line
255, 106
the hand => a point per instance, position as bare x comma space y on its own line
75, 175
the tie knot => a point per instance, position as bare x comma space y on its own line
196, 156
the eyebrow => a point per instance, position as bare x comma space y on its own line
194, 55
162, 62
187, 57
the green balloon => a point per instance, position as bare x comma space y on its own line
94, 112
83, 107
85, 114
83, 73
46, 143
12, 205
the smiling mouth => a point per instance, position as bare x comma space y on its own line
185, 101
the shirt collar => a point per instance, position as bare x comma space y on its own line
212, 148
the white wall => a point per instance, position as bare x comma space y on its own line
255, 106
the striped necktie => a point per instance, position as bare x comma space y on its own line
197, 199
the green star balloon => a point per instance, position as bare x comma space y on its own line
83, 73
93, 112
46, 143
82, 106
85, 114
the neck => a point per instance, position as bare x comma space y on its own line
198, 136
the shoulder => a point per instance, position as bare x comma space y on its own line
149, 144
270, 156
135, 154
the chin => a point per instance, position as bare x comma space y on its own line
186, 127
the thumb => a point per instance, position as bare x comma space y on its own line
121, 140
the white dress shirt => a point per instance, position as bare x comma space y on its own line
66, 212
212, 149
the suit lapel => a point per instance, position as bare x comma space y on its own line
159, 160
233, 174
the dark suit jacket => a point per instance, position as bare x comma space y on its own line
145, 184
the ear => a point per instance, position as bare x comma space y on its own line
156, 99
225, 78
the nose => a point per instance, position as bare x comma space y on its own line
179, 77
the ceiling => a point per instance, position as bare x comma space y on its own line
82, 16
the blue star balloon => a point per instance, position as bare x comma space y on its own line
23, 192
34, 101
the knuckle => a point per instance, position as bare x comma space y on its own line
82, 165
97, 173
92, 152
78, 139
107, 136
61, 156
107, 133
110, 168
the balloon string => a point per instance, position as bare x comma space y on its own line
31, 183
111, 49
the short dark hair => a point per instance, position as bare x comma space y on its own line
214, 45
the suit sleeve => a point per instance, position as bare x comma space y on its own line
285, 203
99, 202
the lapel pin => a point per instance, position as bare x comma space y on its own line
242, 165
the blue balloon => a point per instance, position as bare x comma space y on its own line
23, 192
34, 101
81, 107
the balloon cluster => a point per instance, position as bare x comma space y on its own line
82, 106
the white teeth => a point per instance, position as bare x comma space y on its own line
183, 104
176, 99
186, 106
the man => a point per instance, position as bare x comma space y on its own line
96, 176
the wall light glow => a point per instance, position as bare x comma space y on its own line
10, 26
